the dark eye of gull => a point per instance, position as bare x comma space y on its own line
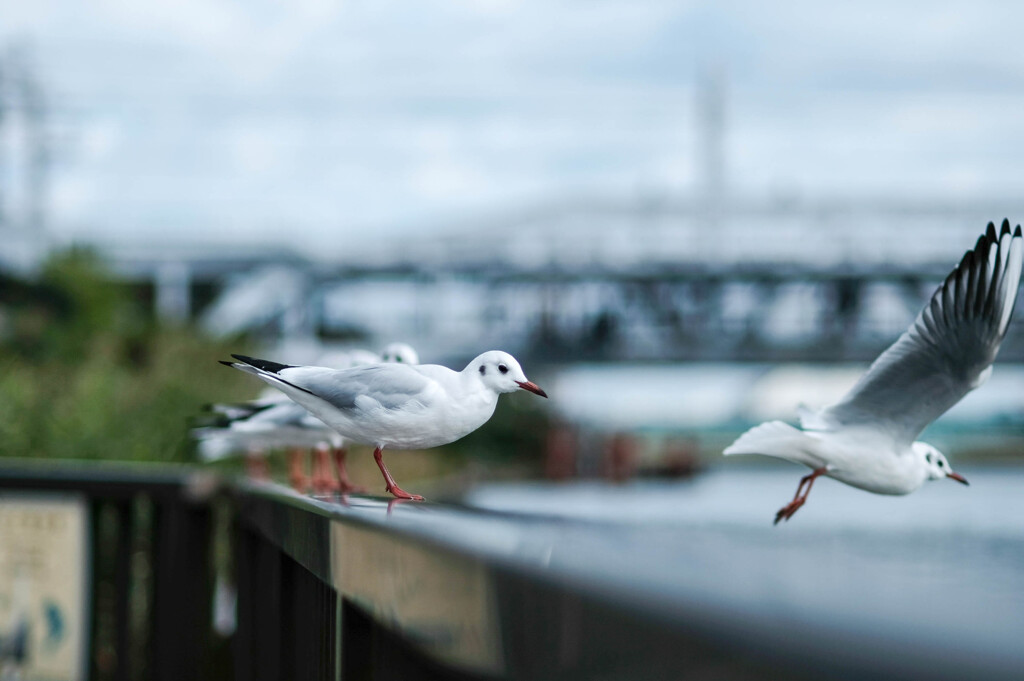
502, 368
483, 369
928, 458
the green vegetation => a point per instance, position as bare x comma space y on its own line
86, 374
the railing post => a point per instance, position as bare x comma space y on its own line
266, 612
244, 643
122, 577
182, 590
356, 644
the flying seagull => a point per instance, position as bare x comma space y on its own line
868, 439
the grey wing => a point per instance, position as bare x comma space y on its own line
947, 351
390, 386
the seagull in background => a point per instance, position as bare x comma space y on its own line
273, 424
399, 353
868, 439
397, 406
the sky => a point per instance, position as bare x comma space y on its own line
315, 123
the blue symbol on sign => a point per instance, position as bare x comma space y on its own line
54, 625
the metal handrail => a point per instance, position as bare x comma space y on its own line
481, 593
364, 587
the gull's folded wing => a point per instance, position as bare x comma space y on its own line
391, 386
947, 351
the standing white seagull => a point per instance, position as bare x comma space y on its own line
867, 440
401, 406
272, 420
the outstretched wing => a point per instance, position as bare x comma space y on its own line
947, 351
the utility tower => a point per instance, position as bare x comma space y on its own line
3, 148
24, 158
710, 131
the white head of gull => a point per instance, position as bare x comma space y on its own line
399, 353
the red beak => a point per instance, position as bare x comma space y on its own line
532, 387
958, 478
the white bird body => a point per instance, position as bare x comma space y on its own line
861, 457
273, 421
868, 439
397, 406
394, 406
868, 460
287, 425
281, 425
445, 407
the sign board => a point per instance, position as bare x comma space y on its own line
44, 570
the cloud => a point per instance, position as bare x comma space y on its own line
395, 114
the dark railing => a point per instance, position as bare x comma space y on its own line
361, 588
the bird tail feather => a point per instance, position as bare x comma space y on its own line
778, 439
266, 370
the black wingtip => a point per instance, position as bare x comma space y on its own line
1005, 228
990, 232
262, 364
227, 364
209, 421
1016, 232
967, 262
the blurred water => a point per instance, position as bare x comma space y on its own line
939, 572
733, 497
931, 581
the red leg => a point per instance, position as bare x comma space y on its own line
297, 470
323, 481
787, 511
344, 483
391, 485
256, 464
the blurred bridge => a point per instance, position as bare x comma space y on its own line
604, 281
682, 312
